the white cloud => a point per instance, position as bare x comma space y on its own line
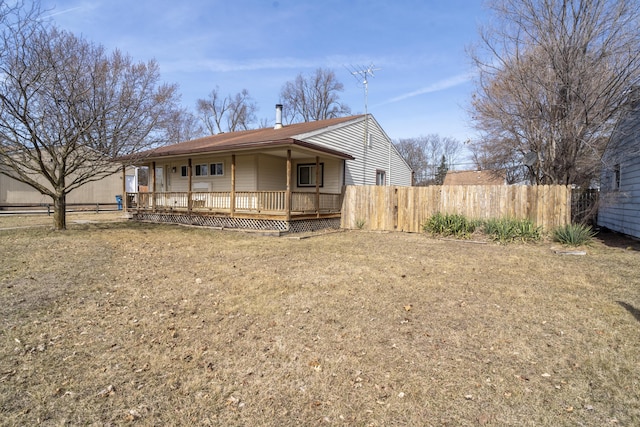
435, 87
229, 65
84, 7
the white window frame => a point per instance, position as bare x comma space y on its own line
201, 170
381, 177
213, 169
616, 176
311, 174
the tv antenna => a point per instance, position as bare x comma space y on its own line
364, 73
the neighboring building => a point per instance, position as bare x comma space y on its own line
619, 206
475, 177
16, 194
268, 178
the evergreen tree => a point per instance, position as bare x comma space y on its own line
442, 171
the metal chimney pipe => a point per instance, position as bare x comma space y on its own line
278, 117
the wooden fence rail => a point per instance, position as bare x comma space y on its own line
408, 208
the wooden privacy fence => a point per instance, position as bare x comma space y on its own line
408, 208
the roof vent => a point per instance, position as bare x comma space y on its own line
278, 117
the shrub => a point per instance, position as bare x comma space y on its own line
574, 234
450, 225
508, 229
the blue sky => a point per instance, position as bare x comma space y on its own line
423, 84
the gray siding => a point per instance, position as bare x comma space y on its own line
371, 154
619, 208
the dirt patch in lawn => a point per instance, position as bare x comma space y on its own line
119, 322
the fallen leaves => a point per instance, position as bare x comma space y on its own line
107, 391
399, 342
315, 364
132, 415
235, 402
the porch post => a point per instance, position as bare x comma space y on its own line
153, 184
317, 201
189, 184
232, 197
124, 188
287, 194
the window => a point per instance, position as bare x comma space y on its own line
381, 177
217, 169
183, 171
201, 170
616, 177
307, 175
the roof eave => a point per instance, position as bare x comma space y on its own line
234, 148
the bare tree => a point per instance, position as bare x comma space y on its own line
211, 111
242, 112
425, 154
182, 125
552, 83
499, 157
228, 114
414, 153
68, 109
312, 98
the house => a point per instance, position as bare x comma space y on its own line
619, 205
476, 177
285, 178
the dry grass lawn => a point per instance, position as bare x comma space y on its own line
120, 323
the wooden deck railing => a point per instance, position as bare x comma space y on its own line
263, 202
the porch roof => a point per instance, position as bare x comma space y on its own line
257, 139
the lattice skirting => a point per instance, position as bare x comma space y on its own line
299, 226
308, 225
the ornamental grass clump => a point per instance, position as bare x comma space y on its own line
450, 225
574, 234
505, 230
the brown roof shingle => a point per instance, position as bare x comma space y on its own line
250, 139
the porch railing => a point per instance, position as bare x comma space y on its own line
245, 201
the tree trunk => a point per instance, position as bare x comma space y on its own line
60, 211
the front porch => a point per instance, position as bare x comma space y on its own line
285, 186
258, 210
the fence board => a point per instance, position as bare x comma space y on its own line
407, 208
